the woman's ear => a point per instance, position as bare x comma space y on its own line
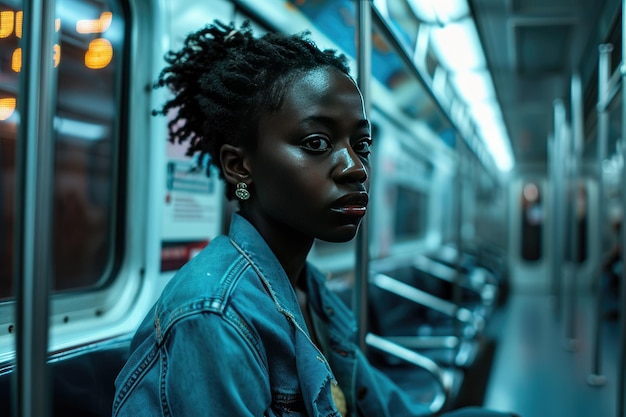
234, 164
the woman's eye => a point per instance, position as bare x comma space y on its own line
316, 144
362, 147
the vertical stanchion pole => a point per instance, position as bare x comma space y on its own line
552, 216
574, 158
621, 360
595, 377
364, 50
458, 237
33, 205
560, 187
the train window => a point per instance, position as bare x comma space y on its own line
9, 59
401, 17
334, 19
401, 80
88, 58
489, 205
409, 219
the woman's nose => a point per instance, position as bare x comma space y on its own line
350, 167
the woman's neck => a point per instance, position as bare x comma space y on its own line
290, 248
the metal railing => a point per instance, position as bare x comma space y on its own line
33, 242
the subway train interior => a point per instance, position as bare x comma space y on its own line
488, 269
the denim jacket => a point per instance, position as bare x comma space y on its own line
227, 338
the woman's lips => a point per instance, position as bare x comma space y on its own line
356, 211
354, 204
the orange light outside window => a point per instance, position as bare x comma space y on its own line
99, 54
7, 107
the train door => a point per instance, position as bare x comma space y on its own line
531, 247
528, 248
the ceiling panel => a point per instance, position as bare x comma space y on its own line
533, 47
542, 48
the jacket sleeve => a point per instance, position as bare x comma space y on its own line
208, 368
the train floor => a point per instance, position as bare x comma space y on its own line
537, 373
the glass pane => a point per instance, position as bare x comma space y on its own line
335, 19
87, 121
88, 58
404, 23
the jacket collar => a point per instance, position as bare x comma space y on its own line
253, 247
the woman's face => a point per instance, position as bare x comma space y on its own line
310, 169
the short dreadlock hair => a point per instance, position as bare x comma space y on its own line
224, 78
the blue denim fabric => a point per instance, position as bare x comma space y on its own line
227, 338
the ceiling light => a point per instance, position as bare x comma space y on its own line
473, 86
457, 46
439, 11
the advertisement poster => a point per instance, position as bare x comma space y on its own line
192, 207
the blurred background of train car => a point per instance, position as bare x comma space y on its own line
492, 246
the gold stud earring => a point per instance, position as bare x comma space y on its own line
241, 192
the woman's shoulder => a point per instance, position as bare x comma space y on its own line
219, 280
204, 284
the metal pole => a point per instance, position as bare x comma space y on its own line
458, 232
596, 378
553, 214
34, 168
364, 64
621, 360
574, 157
559, 205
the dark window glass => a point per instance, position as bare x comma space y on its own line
89, 63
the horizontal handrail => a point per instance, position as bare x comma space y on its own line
421, 297
442, 378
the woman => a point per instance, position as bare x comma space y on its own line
248, 328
